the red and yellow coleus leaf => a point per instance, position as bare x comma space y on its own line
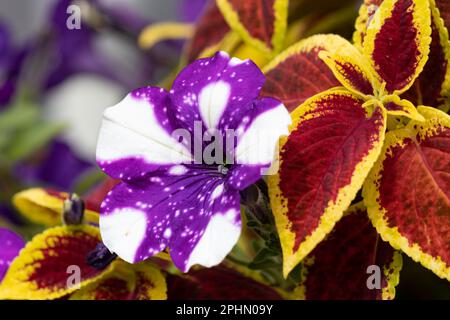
397, 42
432, 87
127, 282
337, 268
50, 263
260, 23
45, 206
408, 191
334, 141
298, 73
218, 283
210, 30
351, 71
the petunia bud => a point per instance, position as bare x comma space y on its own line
100, 257
73, 211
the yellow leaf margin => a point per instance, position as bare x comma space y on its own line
330, 42
445, 43
392, 274
361, 25
409, 110
421, 20
354, 58
158, 32
128, 273
391, 271
362, 22
280, 8
371, 192
15, 285
43, 208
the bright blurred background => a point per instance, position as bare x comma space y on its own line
56, 82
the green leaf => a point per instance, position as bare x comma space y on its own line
18, 116
264, 259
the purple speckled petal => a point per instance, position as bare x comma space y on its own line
165, 200
11, 244
136, 136
187, 208
213, 89
242, 176
259, 131
257, 142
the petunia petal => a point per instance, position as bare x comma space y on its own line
11, 244
257, 139
136, 135
193, 213
242, 176
211, 89
261, 128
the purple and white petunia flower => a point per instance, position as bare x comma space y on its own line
182, 157
11, 244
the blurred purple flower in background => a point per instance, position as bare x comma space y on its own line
42, 71
11, 62
59, 167
10, 248
56, 52
191, 10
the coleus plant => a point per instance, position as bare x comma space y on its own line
197, 214
225, 22
46, 267
346, 133
261, 29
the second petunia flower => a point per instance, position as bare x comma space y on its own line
182, 157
